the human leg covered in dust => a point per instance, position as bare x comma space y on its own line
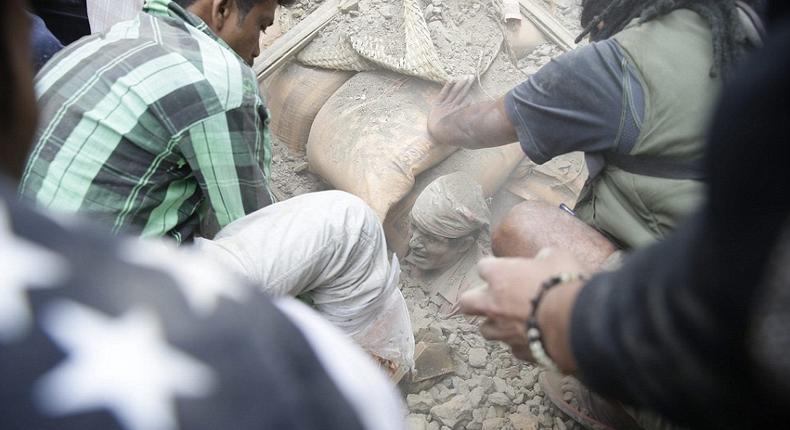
330, 248
534, 225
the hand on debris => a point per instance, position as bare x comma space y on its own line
450, 100
506, 303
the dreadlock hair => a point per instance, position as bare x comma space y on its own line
729, 39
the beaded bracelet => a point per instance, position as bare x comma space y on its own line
534, 335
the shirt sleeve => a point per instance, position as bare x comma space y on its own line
589, 99
229, 155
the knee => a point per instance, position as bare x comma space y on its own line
352, 213
516, 235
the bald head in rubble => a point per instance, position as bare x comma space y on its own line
446, 220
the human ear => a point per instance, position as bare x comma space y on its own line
220, 13
467, 242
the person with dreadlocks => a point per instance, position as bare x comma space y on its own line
636, 101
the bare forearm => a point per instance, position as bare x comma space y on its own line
481, 125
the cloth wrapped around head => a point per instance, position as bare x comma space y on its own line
452, 206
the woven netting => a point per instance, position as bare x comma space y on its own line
357, 53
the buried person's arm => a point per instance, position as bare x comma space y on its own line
477, 126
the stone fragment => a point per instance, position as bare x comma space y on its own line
499, 399
421, 403
476, 397
523, 422
454, 412
441, 393
487, 383
478, 415
508, 373
493, 424
478, 357
528, 377
559, 424
349, 6
416, 422
433, 425
500, 385
387, 11
432, 360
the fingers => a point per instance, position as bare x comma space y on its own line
461, 90
487, 267
445, 91
476, 301
465, 92
512, 332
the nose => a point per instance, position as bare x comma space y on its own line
415, 242
257, 51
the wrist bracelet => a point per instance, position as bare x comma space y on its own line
534, 335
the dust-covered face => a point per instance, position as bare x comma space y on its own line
430, 252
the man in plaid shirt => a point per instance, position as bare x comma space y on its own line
157, 126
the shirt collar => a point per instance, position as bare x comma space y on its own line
171, 9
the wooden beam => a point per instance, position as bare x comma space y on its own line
548, 24
297, 37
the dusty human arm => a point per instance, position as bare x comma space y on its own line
476, 126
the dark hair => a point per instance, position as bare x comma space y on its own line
244, 5
729, 40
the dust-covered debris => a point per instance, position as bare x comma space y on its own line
290, 176
465, 33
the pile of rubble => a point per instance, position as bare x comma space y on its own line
461, 381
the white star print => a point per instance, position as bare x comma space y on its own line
123, 365
26, 266
202, 281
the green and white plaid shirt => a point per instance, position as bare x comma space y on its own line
150, 127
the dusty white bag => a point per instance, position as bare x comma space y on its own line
294, 94
371, 139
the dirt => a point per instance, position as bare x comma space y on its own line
290, 175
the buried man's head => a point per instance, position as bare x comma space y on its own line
446, 220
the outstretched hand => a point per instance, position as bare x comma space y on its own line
450, 100
506, 303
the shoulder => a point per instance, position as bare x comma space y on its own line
232, 80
